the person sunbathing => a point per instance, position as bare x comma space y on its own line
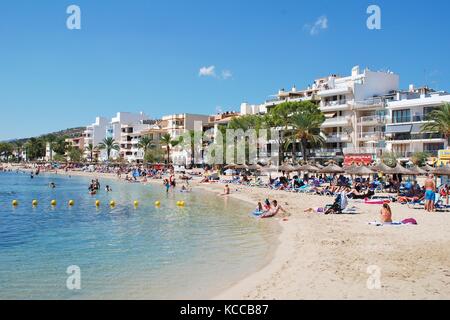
276, 208
386, 214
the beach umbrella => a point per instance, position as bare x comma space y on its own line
298, 167
442, 171
350, 169
363, 171
286, 168
400, 170
254, 167
241, 167
270, 169
418, 171
332, 168
427, 168
230, 166
318, 165
309, 168
381, 167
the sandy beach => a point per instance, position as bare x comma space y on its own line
334, 256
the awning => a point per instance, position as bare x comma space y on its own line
406, 128
417, 128
329, 115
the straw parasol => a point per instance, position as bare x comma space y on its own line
332, 168
254, 167
309, 168
400, 170
270, 169
427, 168
235, 166
350, 169
286, 168
381, 167
318, 165
442, 171
418, 171
362, 171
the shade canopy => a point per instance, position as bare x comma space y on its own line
270, 169
236, 166
442, 171
381, 167
418, 171
254, 167
332, 168
309, 168
427, 168
362, 171
400, 170
286, 168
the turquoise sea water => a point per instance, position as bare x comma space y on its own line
123, 253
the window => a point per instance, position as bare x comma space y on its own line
401, 116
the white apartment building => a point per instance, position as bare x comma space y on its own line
177, 125
406, 114
354, 108
96, 132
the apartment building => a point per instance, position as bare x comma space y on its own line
95, 133
177, 125
354, 108
406, 115
77, 142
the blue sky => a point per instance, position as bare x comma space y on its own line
142, 55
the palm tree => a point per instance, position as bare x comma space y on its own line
109, 144
145, 143
306, 123
91, 149
439, 121
168, 142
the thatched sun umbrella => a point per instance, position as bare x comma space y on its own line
381, 167
318, 165
332, 168
309, 168
254, 167
362, 171
286, 168
442, 171
230, 166
350, 169
428, 168
418, 171
400, 170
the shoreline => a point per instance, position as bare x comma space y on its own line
329, 257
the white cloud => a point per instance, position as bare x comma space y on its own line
207, 71
320, 24
227, 74
211, 72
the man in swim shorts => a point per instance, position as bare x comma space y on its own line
430, 193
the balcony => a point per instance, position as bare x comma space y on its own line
407, 119
372, 103
371, 136
339, 105
326, 153
336, 91
362, 150
426, 137
336, 138
372, 120
336, 122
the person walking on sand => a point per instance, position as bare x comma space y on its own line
430, 193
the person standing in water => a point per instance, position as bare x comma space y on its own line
430, 193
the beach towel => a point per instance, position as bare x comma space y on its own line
409, 221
